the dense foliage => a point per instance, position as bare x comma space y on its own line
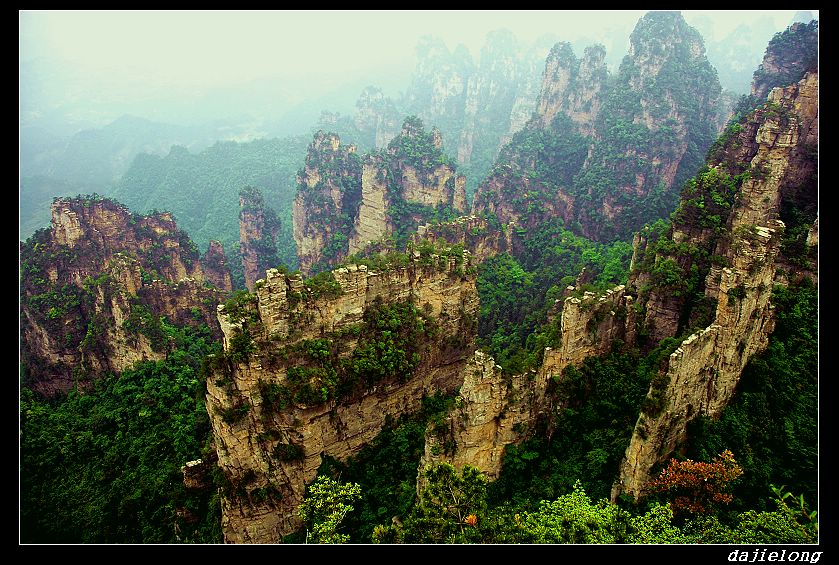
517, 293
202, 190
452, 507
586, 438
386, 469
327, 503
772, 422
389, 342
103, 465
697, 487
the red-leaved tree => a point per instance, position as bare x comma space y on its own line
697, 487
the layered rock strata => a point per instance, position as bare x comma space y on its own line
285, 314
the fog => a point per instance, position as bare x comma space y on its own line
86, 68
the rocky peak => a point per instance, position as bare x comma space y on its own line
573, 87
324, 144
657, 37
748, 174
474, 233
214, 264
626, 142
328, 195
95, 286
438, 88
102, 227
276, 411
493, 410
789, 55
529, 82
258, 228
376, 118
347, 203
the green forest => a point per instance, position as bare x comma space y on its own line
303, 411
202, 190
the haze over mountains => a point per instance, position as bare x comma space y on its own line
85, 113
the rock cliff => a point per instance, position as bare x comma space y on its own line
573, 87
258, 228
328, 196
702, 374
95, 287
475, 234
307, 372
214, 265
345, 203
376, 118
478, 104
790, 54
493, 409
608, 153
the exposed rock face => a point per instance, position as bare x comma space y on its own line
607, 154
346, 203
678, 96
377, 118
328, 195
441, 187
258, 228
214, 265
195, 474
490, 95
529, 81
95, 286
788, 57
478, 106
490, 412
493, 410
474, 233
110, 228
574, 88
438, 89
372, 222
813, 234
287, 314
590, 325
703, 372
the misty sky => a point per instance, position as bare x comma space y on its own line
217, 47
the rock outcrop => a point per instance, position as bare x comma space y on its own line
491, 411
373, 221
478, 104
494, 409
529, 83
95, 286
345, 203
276, 410
790, 55
258, 228
328, 195
214, 265
608, 154
474, 233
702, 374
376, 118
572, 87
